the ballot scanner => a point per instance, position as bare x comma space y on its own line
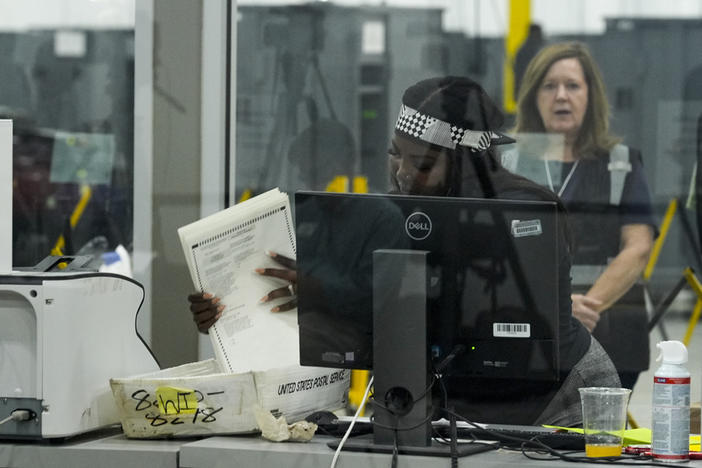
63, 336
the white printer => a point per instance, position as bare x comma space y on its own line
63, 336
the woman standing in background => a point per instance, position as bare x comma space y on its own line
603, 186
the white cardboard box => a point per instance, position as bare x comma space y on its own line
198, 399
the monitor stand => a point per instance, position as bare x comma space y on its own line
401, 364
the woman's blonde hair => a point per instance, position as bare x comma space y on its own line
594, 138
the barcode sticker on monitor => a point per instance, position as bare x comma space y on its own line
511, 330
530, 227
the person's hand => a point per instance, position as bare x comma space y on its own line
585, 310
206, 310
289, 273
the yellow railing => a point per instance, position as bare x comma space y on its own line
86, 193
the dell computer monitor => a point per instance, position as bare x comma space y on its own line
489, 282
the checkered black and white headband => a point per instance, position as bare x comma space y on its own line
438, 132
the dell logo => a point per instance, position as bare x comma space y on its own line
418, 226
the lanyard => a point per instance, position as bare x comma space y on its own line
565, 182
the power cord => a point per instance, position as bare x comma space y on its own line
500, 436
353, 421
395, 450
638, 460
18, 415
533, 445
426, 394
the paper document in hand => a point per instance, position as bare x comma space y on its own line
222, 251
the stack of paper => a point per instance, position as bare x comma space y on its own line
222, 251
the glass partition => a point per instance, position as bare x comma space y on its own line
69, 89
319, 86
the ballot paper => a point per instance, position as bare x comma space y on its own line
222, 251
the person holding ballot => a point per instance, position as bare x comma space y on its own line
206, 308
462, 162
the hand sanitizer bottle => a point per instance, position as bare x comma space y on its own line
671, 404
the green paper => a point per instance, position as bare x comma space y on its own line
641, 435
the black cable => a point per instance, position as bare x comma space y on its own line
440, 438
635, 460
442, 386
454, 441
498, 436
456, 351
453, 432
534, 445
136, 324
436, 377
444, 396
423, 395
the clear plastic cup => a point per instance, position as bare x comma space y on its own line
604, 419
